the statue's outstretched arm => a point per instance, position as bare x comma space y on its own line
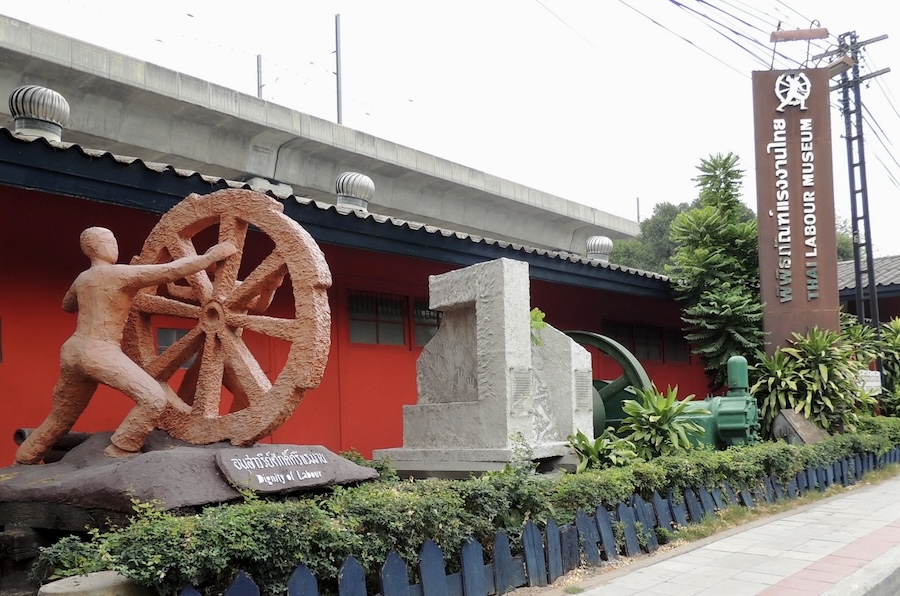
151, 275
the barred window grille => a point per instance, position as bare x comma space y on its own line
620, 332
677, 348
425, 321
166, 337
377, 318
649, 342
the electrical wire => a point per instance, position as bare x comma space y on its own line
570, 27
704, 17
774, 23
739, 19
684, 39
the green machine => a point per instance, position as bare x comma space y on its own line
733, 418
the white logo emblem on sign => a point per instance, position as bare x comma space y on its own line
792, 89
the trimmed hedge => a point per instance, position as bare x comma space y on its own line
268, 538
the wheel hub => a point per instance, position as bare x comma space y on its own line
213, 319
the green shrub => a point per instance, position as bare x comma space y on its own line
881, 426
164, 552
890, 362
385, 467
650, 476
863, 340
777, 459
660, 424
587, 490
701, 468
268, 538
401, 517
605, 451
67, 557
537, 323
816, 376
889, 401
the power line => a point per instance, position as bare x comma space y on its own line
739, 19
887, 170
570, 27
889, 97
701, 15
774, 23
684, 39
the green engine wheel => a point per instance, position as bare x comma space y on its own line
609, 395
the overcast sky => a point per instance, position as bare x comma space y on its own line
611, 103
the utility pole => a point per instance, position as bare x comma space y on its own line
259, 83
337, 60
851, 108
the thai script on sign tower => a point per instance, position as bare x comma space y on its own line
792, 90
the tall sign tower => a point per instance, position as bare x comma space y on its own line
795, 202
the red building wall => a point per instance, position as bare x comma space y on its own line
581, 309
359, 403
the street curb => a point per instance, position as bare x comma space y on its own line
879, 577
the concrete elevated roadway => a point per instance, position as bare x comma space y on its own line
134, 108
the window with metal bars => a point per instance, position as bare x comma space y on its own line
425, 321
166, 336
378, 318
649, 342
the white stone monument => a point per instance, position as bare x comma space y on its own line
482, 382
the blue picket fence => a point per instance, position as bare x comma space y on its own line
591, 540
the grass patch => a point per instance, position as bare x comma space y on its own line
732, 517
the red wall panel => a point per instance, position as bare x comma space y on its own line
359, 402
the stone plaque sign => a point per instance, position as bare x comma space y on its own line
285, 468
794, 428
869, 381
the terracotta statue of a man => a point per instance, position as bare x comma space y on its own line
102, 296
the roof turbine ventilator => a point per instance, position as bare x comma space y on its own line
354, 190
39, 112
599, 247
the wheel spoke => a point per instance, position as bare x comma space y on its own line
153, 304
286, 329
226, 298
199, 281
232, 383
209, 381
263, 280
188, 386
182, 292
234, 230
164, 366
248, 378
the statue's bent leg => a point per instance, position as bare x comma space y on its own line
70, 397
149, 399
137, 426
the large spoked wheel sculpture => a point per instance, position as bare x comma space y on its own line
223, 306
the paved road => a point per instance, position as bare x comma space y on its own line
846, 545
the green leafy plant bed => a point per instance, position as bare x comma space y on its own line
269, 538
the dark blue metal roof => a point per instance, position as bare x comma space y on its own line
71, 170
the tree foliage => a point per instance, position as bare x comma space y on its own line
816, 376
889, 400
720, 181
844, 239
268, 536
660, 423
715, 270
653, 249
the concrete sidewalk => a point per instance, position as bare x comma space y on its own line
845, 545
